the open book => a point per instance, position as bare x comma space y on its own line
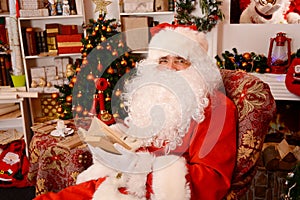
102, 136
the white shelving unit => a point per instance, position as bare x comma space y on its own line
40, 61
22, 123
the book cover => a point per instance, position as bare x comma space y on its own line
41, 42
31, 41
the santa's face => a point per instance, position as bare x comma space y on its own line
162, 100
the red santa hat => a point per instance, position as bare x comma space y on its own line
186, 42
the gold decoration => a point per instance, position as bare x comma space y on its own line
101, 5
106, 117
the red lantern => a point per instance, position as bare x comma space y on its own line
279, 57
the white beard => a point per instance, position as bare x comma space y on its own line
162, 103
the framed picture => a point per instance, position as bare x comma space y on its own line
265, 11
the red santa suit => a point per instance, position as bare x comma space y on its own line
207, 177
206, 152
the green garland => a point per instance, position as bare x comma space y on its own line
209, 8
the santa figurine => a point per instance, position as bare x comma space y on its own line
265, 12
180, 128
293, 14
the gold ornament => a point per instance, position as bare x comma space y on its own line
97, 28
79, 94
120, 44
34, 84
69, 99
99, 47
115, 53
85, 112
108, 29
110, 70
118, 92
90, 76
54, 95
42, 82
123, 63
127, 70
79, 108
244, 64
89, 46
247, 56
106, 117
102, 39
116, 115
101, 5
74, 79
107, 99
59, 110
108, 47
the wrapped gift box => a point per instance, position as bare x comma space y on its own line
43, 12
69, 29
131, 6
32, 4
69, 43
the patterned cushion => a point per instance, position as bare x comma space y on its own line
256, 107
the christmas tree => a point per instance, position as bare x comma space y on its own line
93, 79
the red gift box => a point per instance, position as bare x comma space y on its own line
69, 43
69, 29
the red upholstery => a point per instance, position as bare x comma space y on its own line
256, 107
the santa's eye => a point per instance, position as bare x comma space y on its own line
163, 61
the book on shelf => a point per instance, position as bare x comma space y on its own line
5, 68
31, 41
52, 30
41, 42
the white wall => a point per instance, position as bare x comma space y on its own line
244, 37
252, 37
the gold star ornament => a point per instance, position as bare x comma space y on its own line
101, 5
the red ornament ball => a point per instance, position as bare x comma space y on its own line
101, 84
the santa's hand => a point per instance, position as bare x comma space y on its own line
127, 161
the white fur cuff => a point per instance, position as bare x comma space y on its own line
169, 182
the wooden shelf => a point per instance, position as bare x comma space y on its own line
4, 14
149, 13
53, 56
57, 17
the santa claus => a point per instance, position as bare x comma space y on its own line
182, 128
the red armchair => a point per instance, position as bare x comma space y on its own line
256, 107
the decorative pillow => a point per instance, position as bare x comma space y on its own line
256, 108
14, 164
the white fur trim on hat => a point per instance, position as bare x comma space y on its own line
181, 41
